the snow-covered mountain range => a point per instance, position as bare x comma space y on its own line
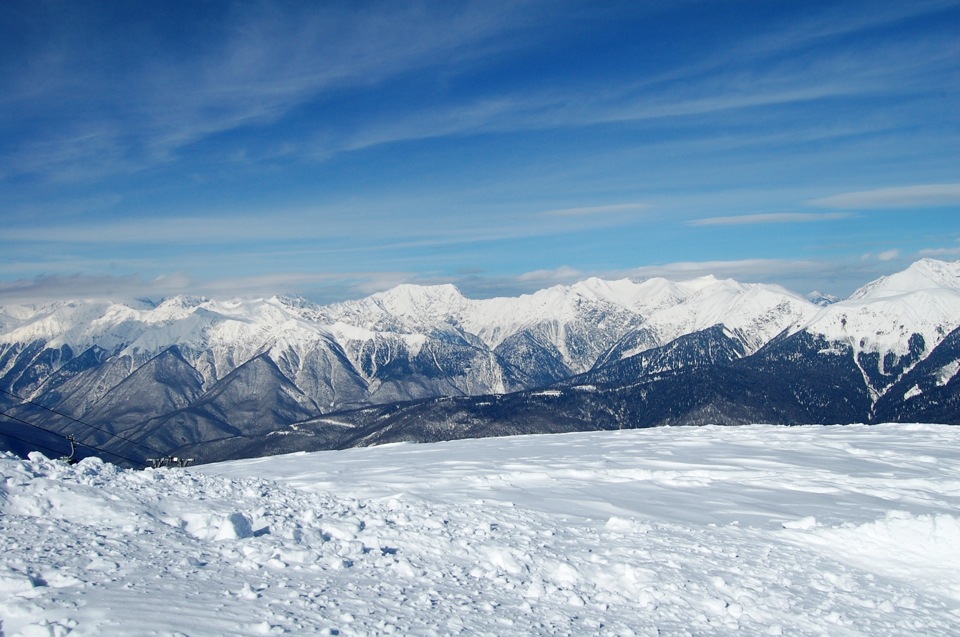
188, 371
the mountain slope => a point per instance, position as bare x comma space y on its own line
712, 346
894, 322
930, 391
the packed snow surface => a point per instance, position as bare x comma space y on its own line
849, 530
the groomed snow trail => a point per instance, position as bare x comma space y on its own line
685, 531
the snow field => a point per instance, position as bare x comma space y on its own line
683, 531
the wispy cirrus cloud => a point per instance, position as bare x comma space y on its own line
342, 225
838, 20
120, 104
563, 274
741, 269
919, 196
884, 256
266, 62
164, 230
770, 217
590, 211
940, 253
889, 255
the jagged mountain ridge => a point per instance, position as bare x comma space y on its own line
370, 341
178, 372
800, 379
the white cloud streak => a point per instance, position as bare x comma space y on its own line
264, 61
330, 286
770, 218
888, 255
181, 230
346, 226
921, 196
590, 211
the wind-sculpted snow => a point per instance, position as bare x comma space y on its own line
753, 530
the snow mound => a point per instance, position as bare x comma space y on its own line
900, 545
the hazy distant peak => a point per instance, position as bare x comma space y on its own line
822, 299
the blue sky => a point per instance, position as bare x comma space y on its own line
334, 149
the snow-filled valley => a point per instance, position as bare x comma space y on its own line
838, 530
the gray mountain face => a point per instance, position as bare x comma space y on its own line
710, 347
164, 384
254, 399
323, 372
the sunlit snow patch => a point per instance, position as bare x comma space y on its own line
947, 372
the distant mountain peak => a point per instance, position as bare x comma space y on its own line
822, 299
882, 316
413, 295
924, 274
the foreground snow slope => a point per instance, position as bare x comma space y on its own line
702, 531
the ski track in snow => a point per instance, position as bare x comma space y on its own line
683, 531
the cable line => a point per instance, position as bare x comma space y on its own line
30, 443
85, 424
95, 448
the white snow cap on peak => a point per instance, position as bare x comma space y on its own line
408, 297
701, 281
604, 288
925, 274
820, 298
